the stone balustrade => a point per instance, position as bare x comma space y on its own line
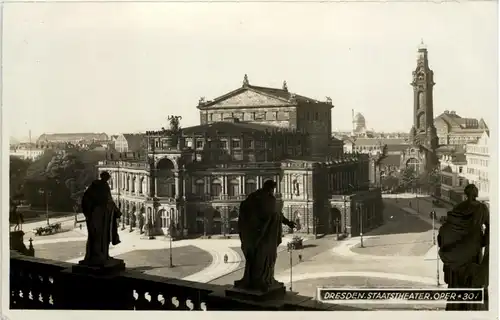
47, 284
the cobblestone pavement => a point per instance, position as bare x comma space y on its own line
400, 252
186, 261
403, 234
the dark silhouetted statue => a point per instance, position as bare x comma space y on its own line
260, 232
101, 215
461, 240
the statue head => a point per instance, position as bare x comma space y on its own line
471, 192
269, 186
105, 176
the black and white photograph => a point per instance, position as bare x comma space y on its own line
249, 156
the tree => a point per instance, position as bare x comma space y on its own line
378, 161
17, 175
430, 181
66, 174
408, 177
390, 182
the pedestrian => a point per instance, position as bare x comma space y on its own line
80, 226
300, 257
225, 258
409, 203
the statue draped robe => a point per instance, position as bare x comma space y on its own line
461, 240
260, 234
101, 215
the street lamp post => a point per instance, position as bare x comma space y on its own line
170, 227
204, 226
290, 251
434, 216
360, 215
337, 224
345, 214
47, 194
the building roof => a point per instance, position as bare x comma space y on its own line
396, 147
228, 127
378, 141
73, 136
391, 160
456, 122
359, 117
134, 141
281, 94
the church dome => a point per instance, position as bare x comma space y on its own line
359, 122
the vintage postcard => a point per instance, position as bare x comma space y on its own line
249, 156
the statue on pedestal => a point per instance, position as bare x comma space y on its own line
260, 232
101, 214
461, 240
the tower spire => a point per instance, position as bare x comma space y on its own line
422, 45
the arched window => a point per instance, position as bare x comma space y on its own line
199, 187
163, 217
233, 188
165, 178
250, 186
132, 187
216, 188
414, 164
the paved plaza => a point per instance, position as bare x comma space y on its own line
400, 253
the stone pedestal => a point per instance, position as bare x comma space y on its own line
277, 291
275, 299
17, 242
85, 287
112, 266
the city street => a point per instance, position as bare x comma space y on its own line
399, 253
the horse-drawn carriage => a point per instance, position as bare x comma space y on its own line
50, 229
296, 243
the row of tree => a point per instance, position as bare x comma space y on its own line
409, 179
56, 178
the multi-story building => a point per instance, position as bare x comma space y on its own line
275, 107
455, 130
73, 138
453, 180
373, 145
419, 150
27, 151
129, 142
478, 165
193, 179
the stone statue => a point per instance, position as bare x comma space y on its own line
461, 240
101, 215
260, 232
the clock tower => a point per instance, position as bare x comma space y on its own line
423, 135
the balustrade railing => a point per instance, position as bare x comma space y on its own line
47, 284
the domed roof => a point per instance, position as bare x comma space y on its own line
359, 117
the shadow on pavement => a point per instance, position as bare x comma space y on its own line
309, 245
144, 268
392, 244
398, 221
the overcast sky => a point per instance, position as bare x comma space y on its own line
125, 67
